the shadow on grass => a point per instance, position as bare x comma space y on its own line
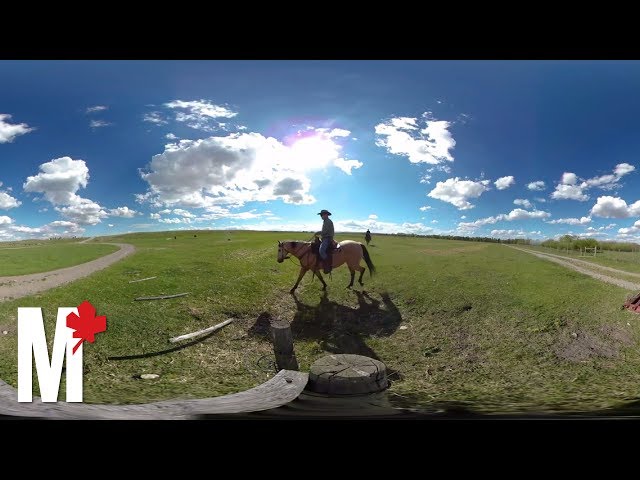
339, 328
164, 352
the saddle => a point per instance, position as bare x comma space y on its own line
315, 249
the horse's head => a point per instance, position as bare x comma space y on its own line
283, 253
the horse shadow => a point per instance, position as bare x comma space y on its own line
339, 328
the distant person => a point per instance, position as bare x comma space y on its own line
326, 235
367, 237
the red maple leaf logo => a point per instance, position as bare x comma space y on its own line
86, 325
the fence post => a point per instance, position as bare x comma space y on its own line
283, 345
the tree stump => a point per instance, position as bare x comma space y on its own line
346, 374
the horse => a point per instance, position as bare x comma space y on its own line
367, 237
349, 252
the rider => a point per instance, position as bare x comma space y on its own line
326, 234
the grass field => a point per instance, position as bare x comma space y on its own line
479, 325
35, 258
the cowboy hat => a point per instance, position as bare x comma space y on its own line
324, 211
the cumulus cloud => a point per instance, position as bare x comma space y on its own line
373, 216
424, 208
7, 201
58, 181
635, 228
569, 189
125, 212
9, 131
572, 221
569, 192
614, 207
458, 192
170, 136
537, 185
504, 182
238, 168
522, 202
420, 144
83, 212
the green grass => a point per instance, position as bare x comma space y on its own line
487, 326
43, 257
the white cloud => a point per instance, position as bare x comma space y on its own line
154, 215
635, 228
569, 178
516, 214
403, 136
569, 192
522, 202
236, 169
83, 212
4, 220
504, 182
541, 200
568, 189
99, 123
9, 131
425, 208
425, 179
170, 136
125, 212
373, 216
622, 169
458, 192
59, 180
347, 165
155, 118
7, 201
200, 114
183, 213
434, 221
109, 225
463, 217
97, 108
614, 207
219, 213
507, 233
537, 185
572, 221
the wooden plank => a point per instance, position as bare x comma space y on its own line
162, 297
283, 388
201, 332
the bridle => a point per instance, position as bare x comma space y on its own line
296, 253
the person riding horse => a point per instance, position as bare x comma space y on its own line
367, 236
326, 234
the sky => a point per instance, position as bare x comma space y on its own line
503, 149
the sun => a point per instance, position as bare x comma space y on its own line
315, 150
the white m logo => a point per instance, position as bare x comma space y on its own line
31, 336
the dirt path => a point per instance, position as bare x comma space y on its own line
25, 285
579, 266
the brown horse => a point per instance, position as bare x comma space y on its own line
349, 252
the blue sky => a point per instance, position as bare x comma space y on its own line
532, 149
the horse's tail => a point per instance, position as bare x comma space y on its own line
367, 259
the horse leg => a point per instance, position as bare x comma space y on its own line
303, 270
324, 285
362, 270
353, 274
